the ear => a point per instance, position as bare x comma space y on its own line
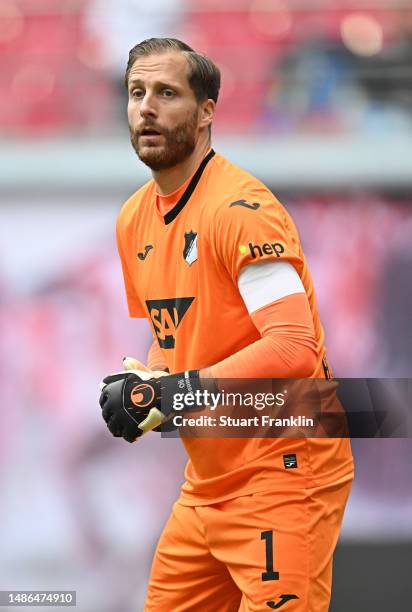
207, 113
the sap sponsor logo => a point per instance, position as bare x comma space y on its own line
166, 316
256, 250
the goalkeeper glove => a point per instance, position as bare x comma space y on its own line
135, 402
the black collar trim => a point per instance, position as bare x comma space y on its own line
172, 214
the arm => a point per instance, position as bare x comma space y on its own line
279, 308
286, 349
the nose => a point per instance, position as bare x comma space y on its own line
147, 106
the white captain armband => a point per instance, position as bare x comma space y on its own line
262, 283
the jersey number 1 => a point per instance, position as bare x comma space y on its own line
269, 574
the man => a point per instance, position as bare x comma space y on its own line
214, 261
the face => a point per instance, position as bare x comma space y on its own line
164, 115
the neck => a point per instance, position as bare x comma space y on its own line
170, 179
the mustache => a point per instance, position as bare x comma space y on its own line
141, 130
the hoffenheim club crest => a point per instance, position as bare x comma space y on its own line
190, 250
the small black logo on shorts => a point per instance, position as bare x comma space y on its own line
245, 204
283, 599
290, 461
142, 256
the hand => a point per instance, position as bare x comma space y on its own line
130, 403
130, 364
134, 402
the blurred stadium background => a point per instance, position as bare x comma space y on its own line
316, 101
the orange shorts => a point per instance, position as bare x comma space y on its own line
258, 552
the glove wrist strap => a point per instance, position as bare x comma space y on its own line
183, 383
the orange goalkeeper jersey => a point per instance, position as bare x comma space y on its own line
181, 272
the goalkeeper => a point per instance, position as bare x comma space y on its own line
213, 260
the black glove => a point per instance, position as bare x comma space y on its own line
133, 405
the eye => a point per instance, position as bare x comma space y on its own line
168, 93
137, 92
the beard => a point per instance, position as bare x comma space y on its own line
179, 143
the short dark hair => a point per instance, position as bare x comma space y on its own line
203, 76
